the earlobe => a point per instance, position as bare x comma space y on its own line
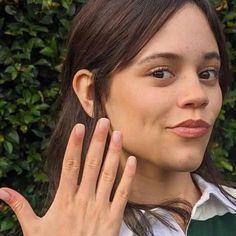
83, 85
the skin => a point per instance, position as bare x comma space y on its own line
86, 210
140, 107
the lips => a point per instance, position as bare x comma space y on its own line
191, 128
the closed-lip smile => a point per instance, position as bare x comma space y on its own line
191, 128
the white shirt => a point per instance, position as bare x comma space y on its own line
212, 203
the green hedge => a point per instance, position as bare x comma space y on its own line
32, 36
224, 149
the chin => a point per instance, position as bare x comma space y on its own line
189, 163
187, 168
185, 160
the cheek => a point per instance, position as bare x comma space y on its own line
141, 117
135, 107
216, 101
134, 114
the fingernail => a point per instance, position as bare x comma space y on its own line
79, 129
131, 161
116, 137
5, 196
103, 123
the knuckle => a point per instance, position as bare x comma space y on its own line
123, 194
111, 222
71, 165
97, 214
107, 176
82, 204
17, 206
113, 150
93, 163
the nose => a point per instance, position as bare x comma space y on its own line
194, 94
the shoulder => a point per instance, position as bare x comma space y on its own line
215, 212
231, 191
215, 200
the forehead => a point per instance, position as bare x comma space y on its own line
186, 33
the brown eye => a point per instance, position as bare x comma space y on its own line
161, 74
209, 75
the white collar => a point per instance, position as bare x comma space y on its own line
212, 202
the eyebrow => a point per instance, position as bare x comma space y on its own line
172, 56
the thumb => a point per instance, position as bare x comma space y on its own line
19, 205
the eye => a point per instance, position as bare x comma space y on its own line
211, 74
162, 73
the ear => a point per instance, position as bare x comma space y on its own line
83, 85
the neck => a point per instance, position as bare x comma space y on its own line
153, 185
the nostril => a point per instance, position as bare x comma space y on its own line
194, 102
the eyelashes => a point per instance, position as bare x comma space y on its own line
210, 74
161, 73
164, 73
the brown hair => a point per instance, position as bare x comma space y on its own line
118, 30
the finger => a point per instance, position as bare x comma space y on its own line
20, 206
71, 162
109, 170
94, 158
123, 190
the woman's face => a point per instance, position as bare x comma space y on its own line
172, 80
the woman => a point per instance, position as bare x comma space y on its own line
151, 75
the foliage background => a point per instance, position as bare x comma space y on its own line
32, 35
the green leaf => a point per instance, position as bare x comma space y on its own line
3, 163
6, 225
38, 133
1, 23
8, 146
2, 139
43, 106
40, 177
35, 98
227, 165
12, 70
43, 62
47, 52
28, 118
2, 104
14, 120
230, 16
66, 3
10, 9
24, 165
13, 136
23, 128
15, 29
27, 96
4, 54
46, 20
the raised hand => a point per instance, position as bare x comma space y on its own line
86, 209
